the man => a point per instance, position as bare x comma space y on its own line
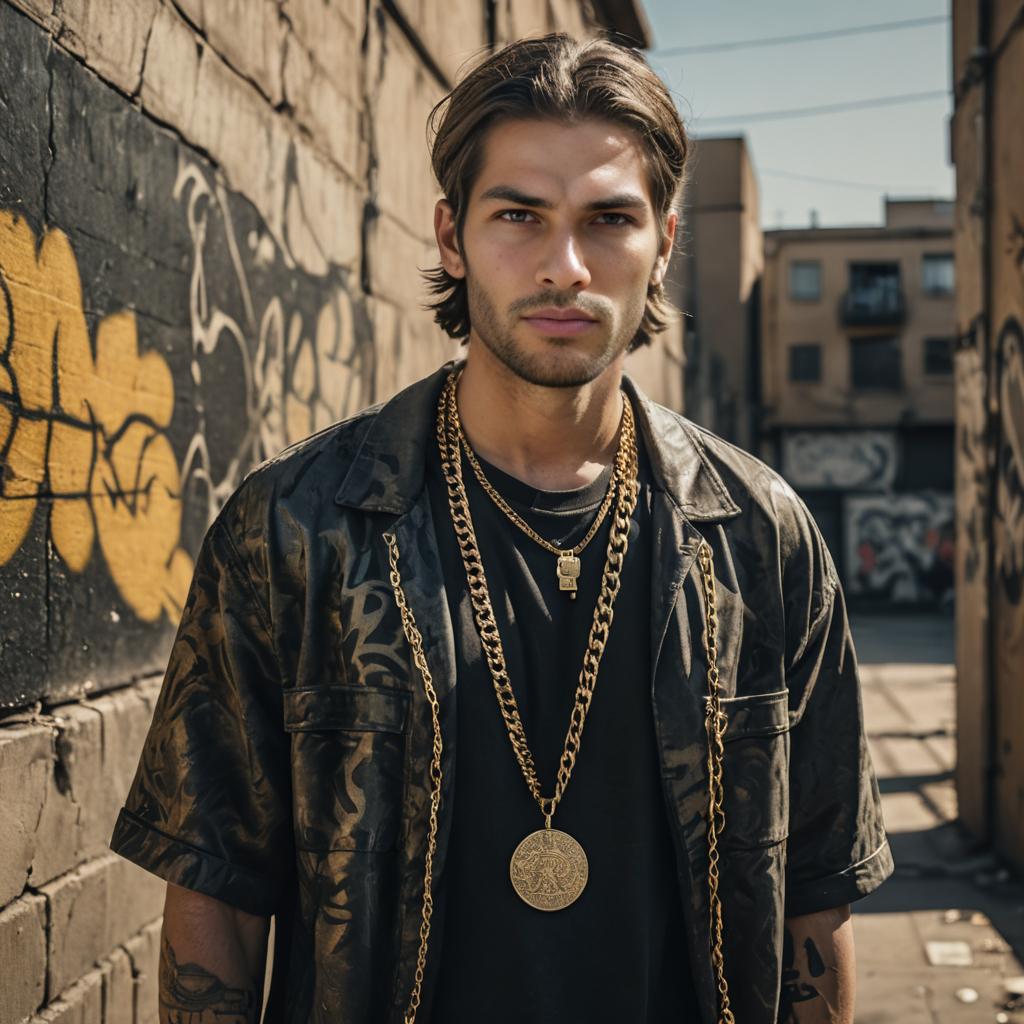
519, 698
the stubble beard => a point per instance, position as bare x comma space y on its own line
542, 369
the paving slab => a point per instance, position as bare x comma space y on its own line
947, 895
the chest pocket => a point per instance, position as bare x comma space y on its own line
348, 751
756, 770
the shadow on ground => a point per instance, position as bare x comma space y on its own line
948, 894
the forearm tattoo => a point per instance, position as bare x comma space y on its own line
191, 994
799, 982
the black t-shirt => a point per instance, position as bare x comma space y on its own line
619, 953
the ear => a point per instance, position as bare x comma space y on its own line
447, 242
664, 250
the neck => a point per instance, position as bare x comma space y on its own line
551, 438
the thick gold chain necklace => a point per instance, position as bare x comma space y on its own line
567, 564
548, 868
714, 723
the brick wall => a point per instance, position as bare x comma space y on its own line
79, 927
211, 217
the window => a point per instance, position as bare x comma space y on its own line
875, 283
938, 356
875, 363
875, 297
805, 280
937, 273
805, 362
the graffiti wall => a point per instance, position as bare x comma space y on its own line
1007, 583
988, 151
900, 547
971, 573
211, 235
839, 459
893, 545
155, 343
1008, 524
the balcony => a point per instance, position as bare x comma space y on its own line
872, 307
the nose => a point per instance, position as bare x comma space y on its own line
562, 265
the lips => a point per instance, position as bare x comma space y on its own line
560, 322
553, 313
559, 327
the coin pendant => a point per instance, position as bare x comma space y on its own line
549, 869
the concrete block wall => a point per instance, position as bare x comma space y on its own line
79, 928
212, 213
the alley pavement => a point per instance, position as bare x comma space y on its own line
942, 941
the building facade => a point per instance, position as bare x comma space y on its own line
988, 151
857, 393
715, 281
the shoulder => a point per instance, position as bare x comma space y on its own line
772, 535
757, 487
305, 475
757, 495
770, 532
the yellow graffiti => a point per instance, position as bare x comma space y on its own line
85, 433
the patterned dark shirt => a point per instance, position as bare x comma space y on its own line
286, 771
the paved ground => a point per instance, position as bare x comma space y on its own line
944, 891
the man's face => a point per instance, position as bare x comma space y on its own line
559, 246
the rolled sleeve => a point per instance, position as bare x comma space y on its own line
210, 806
837, 850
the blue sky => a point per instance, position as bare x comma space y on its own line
900, 149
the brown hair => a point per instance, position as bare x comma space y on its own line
560, 78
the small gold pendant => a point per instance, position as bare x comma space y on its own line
568, 571
549, 869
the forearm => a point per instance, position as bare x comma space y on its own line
212, 960
818, 969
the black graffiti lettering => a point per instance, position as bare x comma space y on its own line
1009, 548
1015, 237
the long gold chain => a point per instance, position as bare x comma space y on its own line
626, 488
714, 724
415, 640
517, 519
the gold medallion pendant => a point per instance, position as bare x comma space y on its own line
549, 869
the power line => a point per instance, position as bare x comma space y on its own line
842, 182
830, 108
852, 30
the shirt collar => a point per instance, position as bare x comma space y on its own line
387, 472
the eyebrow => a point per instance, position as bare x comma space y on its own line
618, 201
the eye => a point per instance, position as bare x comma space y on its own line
514, 216
622, 221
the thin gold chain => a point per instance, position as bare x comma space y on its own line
415, 640
516, 518
714, 722
626, 488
